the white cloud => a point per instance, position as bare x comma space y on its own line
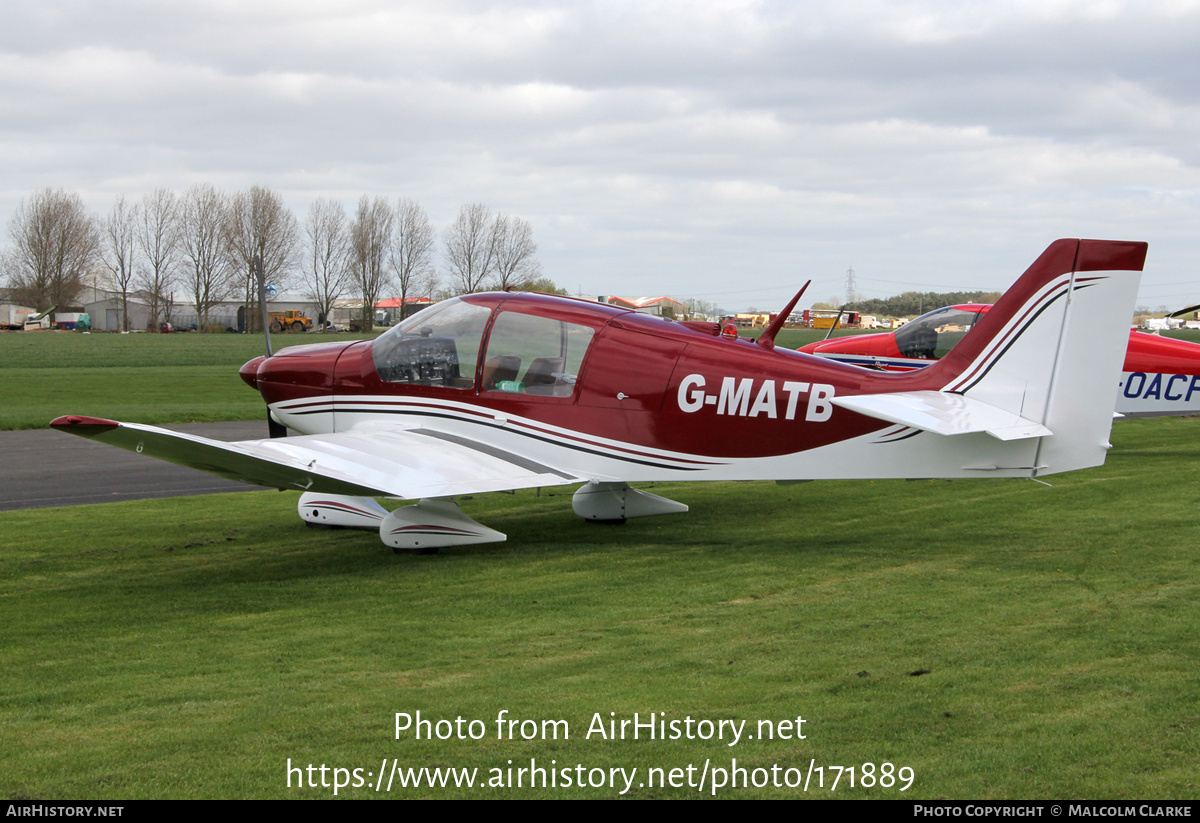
664, 143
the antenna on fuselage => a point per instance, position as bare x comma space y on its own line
767, 338
275, 428
256, 267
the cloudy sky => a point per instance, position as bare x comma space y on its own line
720, 150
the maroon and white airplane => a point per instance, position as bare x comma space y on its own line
491, 392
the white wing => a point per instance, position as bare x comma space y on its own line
409, 464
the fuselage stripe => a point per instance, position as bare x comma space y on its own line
1014, 332
660, 463
489, 418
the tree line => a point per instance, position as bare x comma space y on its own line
204, 243
912, 303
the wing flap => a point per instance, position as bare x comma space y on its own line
944, 413
410, 464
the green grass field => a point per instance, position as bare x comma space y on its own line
145, 378
1001, 639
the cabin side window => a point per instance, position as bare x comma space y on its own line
436, 347
528, 354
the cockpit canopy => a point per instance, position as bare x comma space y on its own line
935, 333
526, 353
435, 347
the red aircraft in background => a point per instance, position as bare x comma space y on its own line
1160, 375
491, 392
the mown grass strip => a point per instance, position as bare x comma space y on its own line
1001, 638
74, 350
143, 378
149, 394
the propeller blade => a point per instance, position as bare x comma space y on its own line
836, 320
1182, 312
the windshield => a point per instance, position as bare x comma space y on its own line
435, 347
933, 334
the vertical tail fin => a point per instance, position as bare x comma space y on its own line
1038, 373
1051, 349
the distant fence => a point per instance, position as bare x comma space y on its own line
184, 320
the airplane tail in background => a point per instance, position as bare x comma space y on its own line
1043, 363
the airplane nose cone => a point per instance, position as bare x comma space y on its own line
295, 372
249, 372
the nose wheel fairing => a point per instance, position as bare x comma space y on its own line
340, 511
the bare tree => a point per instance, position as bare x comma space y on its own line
702, 309
326, 258
119, 230
158, 242
515, 252
259, 226
55, 242
202, 244
410, 253
470, 247
370, 233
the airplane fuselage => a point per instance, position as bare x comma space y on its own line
647, 391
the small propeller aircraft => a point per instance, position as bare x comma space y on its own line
492, 392
1160, 376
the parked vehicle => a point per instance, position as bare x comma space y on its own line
290, 320
13, 317
39, 321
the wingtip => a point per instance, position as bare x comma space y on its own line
71, 421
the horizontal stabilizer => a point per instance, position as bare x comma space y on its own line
382, 462
944, 413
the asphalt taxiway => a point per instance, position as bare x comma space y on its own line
43, 468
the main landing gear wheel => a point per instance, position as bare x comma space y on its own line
609, 503
431, 524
